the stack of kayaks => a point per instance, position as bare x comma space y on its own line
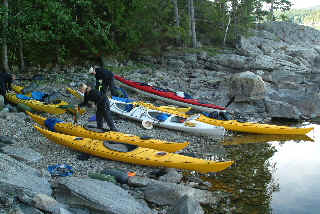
158, 117
59, 107
94, 133
135, 155
177, 98
232, 125
237, 126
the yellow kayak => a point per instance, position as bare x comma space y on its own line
234, 125
80, 131
137, 155
18, 89
38, 105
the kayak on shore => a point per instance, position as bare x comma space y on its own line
134, 154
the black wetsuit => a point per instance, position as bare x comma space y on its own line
103, 108
5, 84
105, 80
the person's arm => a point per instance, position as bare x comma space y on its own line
86, 100
9, 83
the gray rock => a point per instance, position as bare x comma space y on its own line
16, 177
163, 193
247, 86
98, 196
171, 176
49, 204
22, 153
279, 109
26, 209
168, 193
185, 205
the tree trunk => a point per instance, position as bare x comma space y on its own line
227, 29
176, 11
4, 39
271, 11
193, 25
189, 15
22, 65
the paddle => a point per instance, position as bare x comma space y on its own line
230, 101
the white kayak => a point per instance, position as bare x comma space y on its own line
141, 113
165, 120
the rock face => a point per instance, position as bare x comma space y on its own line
98, 196
16, 177
276, 67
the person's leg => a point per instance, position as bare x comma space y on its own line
99, 118
3, 91
113, 88
108, 117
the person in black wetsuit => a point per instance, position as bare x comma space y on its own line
6, 80
102, 104
104, 80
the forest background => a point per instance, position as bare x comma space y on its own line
42, 32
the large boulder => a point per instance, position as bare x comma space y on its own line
246, 87
97, 196
17, 178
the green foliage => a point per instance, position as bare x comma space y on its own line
310, 17
55, 31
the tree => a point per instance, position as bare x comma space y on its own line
193, 24
4, 37
176, 12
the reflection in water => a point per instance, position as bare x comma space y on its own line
256, 138
280, 176
298, 175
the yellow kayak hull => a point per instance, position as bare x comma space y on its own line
80, 131
141, 156
38, 105
47, 107
234, 125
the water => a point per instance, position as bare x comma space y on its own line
280, 175
297, 172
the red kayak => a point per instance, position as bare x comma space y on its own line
177, 98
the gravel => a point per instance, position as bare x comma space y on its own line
20, 127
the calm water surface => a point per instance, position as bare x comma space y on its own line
273, 174
297, 170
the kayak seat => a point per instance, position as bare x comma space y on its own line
119, 147
177, 119
94, 128
124, 107
159, 115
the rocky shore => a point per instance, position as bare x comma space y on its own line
27, 186
274, 74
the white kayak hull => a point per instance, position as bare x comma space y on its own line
141, 113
